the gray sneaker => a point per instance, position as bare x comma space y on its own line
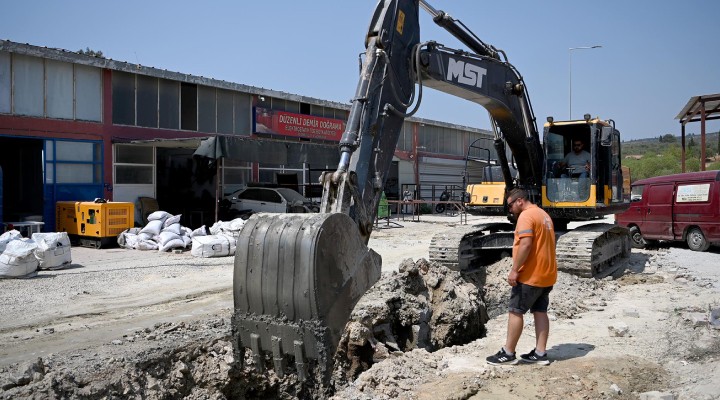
533, 358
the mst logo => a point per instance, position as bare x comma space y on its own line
465, 73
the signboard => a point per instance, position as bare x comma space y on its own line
297, 125
690, 193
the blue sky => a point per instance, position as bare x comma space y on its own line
655, 55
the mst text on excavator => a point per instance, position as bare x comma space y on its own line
298, 276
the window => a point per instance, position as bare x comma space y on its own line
72, 161
134, 164
224, 111
206, 109
123, 98
169, 104
28, 79
59, 89
88, 93
5, 82
188, 106
147, 101
243, 113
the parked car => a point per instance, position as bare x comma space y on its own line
264, 199
681, 207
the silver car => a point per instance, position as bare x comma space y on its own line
264, 199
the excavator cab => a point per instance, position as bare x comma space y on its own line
587, 190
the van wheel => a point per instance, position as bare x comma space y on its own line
636, 239
696, 240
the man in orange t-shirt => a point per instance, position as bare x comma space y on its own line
533, 274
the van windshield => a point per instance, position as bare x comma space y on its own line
636, 193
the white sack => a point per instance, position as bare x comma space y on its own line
158, 216
146, 236
6, 237
172, 244
153, 227
165, 237
146, 244
201, 231
53, 250
213, 246
128, 238
174, 228
172, 219
18, 260
231, 227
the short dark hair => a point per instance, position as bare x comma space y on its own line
518, 193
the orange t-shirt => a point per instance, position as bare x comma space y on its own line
540, 268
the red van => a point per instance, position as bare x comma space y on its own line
680, 207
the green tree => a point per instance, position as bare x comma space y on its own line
92, 53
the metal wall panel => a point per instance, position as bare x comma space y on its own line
28, 81
88, 93
5, 82
59, 89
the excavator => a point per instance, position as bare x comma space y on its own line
297, 277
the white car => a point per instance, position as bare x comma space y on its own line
264, 199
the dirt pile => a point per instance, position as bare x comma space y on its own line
422, 306
571, 295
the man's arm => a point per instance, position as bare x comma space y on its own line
519, 258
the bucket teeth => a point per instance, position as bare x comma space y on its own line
257, 351
278, 357
300, 361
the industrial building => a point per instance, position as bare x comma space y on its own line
75, 127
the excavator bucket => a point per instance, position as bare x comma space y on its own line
297, 278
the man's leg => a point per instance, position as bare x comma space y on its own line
542, 331
514, 330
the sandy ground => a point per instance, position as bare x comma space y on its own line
82, 314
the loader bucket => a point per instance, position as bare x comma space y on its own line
297, 278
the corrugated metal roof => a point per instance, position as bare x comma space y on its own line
692, 110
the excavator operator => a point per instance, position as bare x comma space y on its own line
577, 162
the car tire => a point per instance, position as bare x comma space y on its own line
636, 239
696, 240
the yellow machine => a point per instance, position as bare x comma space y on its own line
93, 223
486, 197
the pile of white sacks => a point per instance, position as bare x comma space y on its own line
163, 232
22, 257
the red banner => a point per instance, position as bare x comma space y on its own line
298, 125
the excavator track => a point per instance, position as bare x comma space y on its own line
591, 250
471, 246
587, 251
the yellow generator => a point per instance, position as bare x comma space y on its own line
94, 223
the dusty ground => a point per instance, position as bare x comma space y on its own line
124, 323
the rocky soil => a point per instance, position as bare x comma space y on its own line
158, 327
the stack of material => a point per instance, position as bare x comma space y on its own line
220, 243
21, 257
163, 232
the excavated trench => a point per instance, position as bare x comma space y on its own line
423, 305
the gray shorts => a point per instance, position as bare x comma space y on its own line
525, 297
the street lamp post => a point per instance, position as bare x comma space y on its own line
570, 68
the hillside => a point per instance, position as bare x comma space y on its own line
662, 155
